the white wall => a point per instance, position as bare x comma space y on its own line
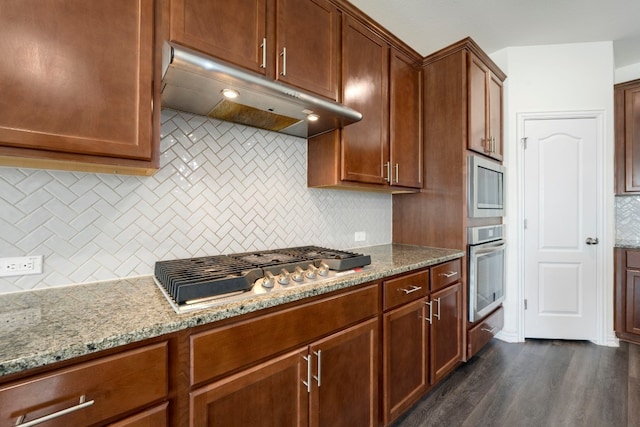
627, 73
555, 78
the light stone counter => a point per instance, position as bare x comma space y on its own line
66, 322
628, 243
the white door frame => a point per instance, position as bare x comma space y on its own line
604, 275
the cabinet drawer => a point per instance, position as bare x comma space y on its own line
445, 274
482, 333
111, 386
405, 289
222, 350
633, 259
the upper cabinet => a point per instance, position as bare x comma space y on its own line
627, 134
405, 120
77, 84
365, 73
485, 108
382, 152
297, 42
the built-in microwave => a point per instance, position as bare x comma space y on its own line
486, 188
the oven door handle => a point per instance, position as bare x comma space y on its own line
489, 248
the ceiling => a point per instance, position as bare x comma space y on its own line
429, 25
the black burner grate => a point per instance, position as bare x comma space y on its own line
194, 278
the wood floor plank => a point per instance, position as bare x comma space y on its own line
633, 390
537, 383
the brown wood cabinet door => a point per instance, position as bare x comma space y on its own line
632, 139
77, 76
446, 331
365, 73
405, 332
495, 117
405, 121
230, 30
154, 417
307, 41
269, 395
633, 302
345, 393
485, 109
477, 104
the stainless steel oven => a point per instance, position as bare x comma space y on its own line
486, 269
486, 188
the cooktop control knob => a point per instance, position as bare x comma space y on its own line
284, 277
311, 272
298, 275
323, 270
268, 280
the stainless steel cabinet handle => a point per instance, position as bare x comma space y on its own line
437, 316
284, 62
397, 172
491, 331
308, 381
387, 166
430, 318
411, 290
82, 404
318, 378
592, 241
448, 274
264, 53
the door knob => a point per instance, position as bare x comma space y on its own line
592, 241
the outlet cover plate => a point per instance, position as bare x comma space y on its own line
18, 266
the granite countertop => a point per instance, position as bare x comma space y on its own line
65, 322
628, 244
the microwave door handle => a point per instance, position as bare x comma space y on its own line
488, 249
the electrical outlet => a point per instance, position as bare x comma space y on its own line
19, 266
20, 318
360, 236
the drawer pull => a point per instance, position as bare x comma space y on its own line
491, 331
80, 405
411, 290
448, 274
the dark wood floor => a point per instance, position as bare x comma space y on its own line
537, 383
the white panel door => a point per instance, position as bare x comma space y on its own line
560, 205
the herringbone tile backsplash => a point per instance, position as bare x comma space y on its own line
628, 218
221, 188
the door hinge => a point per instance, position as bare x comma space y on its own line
525, 304
524, 142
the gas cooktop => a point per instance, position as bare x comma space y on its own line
195, 283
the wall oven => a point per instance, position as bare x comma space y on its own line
486, 188
486, 269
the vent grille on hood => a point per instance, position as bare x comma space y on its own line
193, 82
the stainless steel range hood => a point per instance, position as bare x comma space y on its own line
194, 82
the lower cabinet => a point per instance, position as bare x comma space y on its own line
422, 338
480, 334
154, 417
406, 338
332, 382
627, 294
270, 394
446, 331
94, 392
